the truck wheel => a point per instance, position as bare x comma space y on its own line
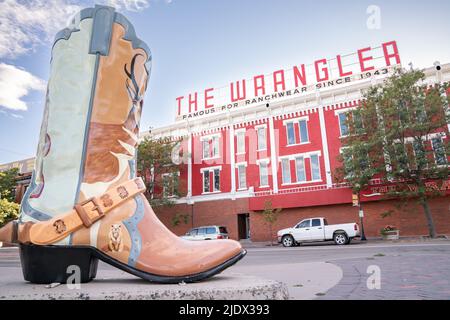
287, 241
340, 238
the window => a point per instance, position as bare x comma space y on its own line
290, 133
210, 147
206, 187
242, 180
262, 143
201, 231
286, 170
205, 149
215, 146
343, 124
223, 230
263, 174
347, 158
439, 151
300, 169
240, 142
401, 157
419, 153
216, 180
193, 232
169, 181
207, 183
303, 126
304, 224
315, 169
210, 230
315, 223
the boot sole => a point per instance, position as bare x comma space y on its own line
62, 264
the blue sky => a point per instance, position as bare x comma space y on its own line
198, 44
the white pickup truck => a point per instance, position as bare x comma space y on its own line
318, 229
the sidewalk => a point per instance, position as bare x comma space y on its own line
370, 240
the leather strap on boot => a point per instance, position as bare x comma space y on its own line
84, 213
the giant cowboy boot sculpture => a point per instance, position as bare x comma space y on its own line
85, 202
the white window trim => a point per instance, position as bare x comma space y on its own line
287, 134
218, 147
261, 126
210, 136
434, 151
236, 133
301, 183
298, 144
170, 174
266, 162
339, 111
209, 169
240, 164
339, 121
296, 121
282, 171
300, 131
305, 155
424, 138
285, 122
304, 169
320, 170
203, 181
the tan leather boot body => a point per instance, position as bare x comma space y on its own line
85, 202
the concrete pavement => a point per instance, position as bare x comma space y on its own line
413, 270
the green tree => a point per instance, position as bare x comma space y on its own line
8, 211
270, 216
156, 165
8, 183
395, 136
180, 218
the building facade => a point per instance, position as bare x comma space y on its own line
277, 138
285, 149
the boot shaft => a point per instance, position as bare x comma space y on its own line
99, 72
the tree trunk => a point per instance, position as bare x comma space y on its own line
430, 222
271, 237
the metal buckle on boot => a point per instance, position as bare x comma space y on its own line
85, 216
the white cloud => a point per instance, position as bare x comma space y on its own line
16, 83
25, 24
17, 116
130, 5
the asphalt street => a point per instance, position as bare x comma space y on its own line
372, 270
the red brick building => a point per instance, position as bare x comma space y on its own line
278, 137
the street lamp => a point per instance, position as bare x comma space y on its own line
361, 217
360, 212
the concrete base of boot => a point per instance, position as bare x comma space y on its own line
114, 284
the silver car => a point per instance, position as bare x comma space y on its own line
207, 233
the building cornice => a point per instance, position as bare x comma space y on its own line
334, 98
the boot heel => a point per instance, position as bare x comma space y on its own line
50, 264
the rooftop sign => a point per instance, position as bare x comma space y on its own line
284, 83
